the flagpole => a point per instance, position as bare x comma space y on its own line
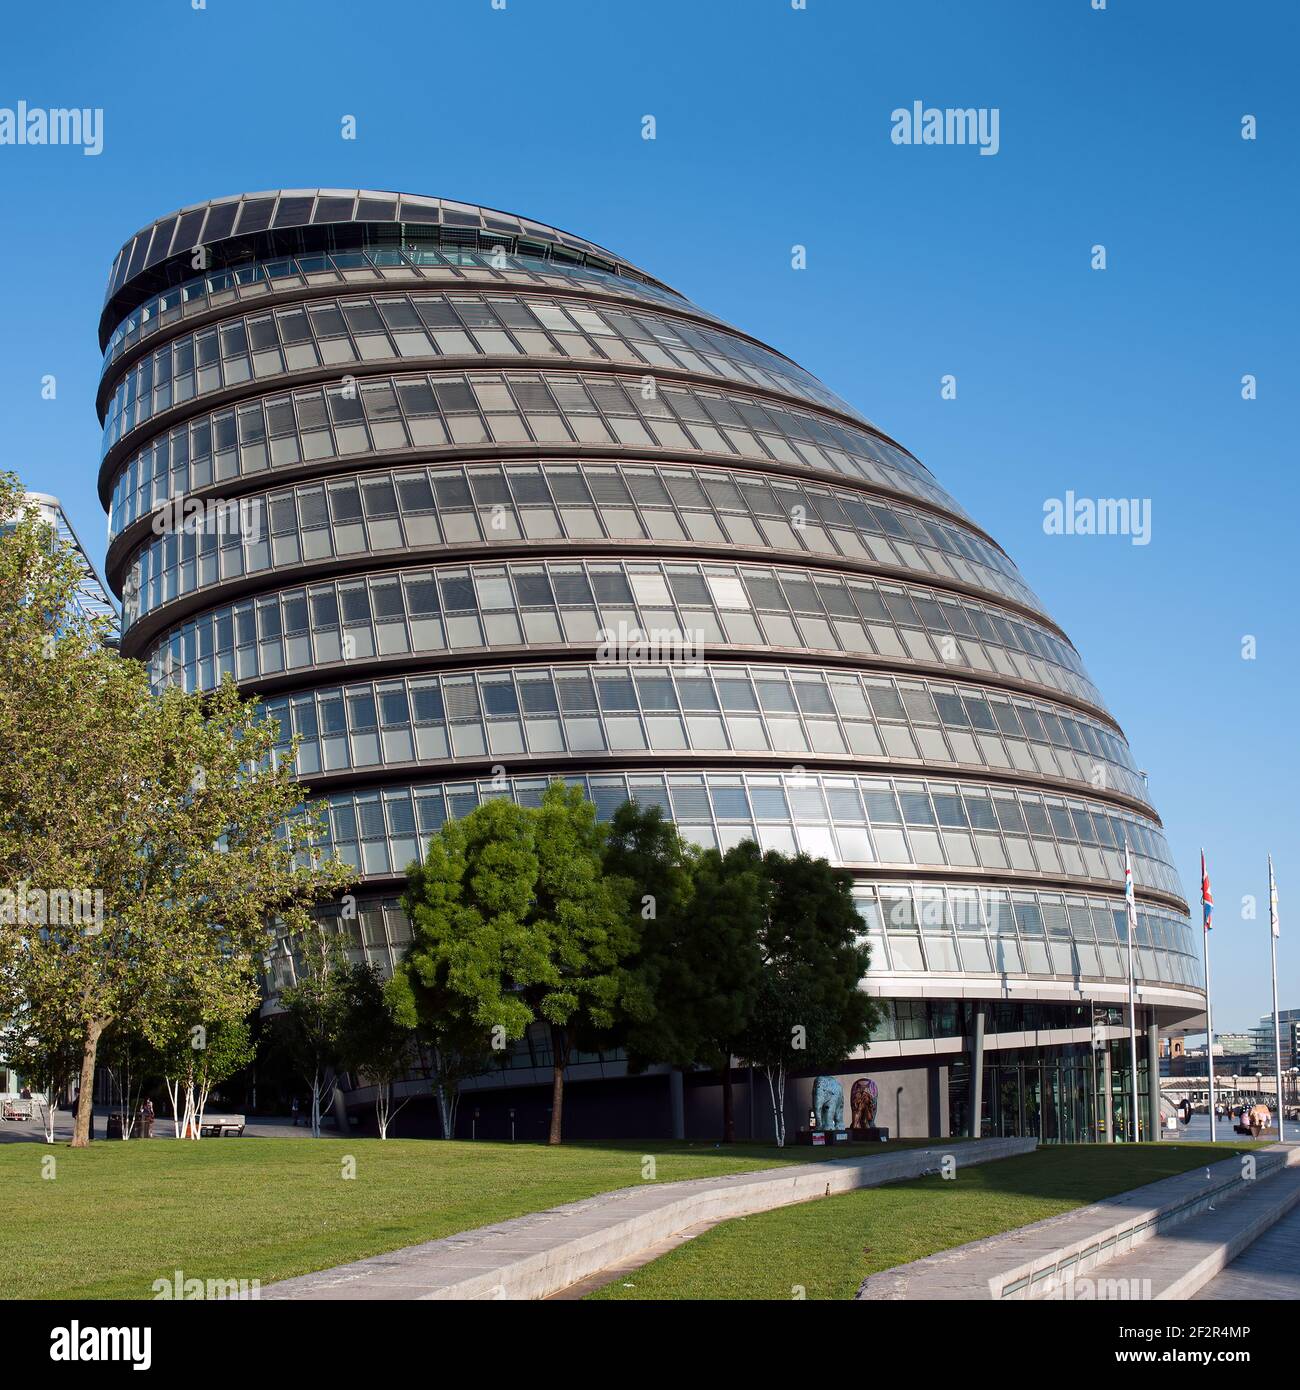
1209, 1010
1277, 1018
1130, 897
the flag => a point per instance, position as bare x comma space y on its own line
1130, 904
1207, 898
1272, 899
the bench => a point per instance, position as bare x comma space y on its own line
18, 1110
219, 1126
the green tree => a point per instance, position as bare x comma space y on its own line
699, 962
175, 1060
47, 1061
309, 1026
374, 1043
514, 917
810, 1011
170, 812
227, 1048
126, 1056
449, 1045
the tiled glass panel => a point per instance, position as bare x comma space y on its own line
595, 602
484, 505
454, 267
393, 327
786, 807
450, 410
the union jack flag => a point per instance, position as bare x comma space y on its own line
1207, 898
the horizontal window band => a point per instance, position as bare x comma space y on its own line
1010, 880
233, 396
307, 295
528, 765
138, 533
137, 635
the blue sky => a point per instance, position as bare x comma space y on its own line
1120, 127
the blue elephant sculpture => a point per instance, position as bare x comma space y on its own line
828, 1103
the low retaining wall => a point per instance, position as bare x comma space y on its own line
539, 1255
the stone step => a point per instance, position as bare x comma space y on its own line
1177, 1265
1268, 1269
1037, 1259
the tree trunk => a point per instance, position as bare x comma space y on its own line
86, 1094
559, 1059
383, 1099
776, 1090
728, 1104
444, 1109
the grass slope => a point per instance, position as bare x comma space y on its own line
117, 1216
824, 1249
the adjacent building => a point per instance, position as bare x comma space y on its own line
474, 503
92, 597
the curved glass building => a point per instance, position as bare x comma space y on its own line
474, 503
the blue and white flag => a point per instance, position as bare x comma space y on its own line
1130, 904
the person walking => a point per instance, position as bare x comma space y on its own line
295, 1112
146, 1119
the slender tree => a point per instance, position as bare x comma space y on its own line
49, 1059
374, 1043
449, 1046
227, 1049
313, 1009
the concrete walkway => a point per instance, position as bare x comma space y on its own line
537, 1256
1168, 1232
256, 1127
1268, 1269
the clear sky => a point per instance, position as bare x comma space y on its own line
1119, 127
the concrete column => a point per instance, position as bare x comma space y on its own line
1153, 1078
677, 1102
1107, 1101
977, 1072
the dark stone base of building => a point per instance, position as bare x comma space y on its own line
1071, 1093
913, 1104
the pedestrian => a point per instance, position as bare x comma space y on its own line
295, 1112
146, 1115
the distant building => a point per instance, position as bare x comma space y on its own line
92, 597
1262, 1059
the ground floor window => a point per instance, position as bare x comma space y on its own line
1066, 1095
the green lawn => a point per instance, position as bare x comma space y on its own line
827, 1247
117, 1216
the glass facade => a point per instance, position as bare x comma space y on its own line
586, 506
576, 710
507, 508
402, 327
505, 412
